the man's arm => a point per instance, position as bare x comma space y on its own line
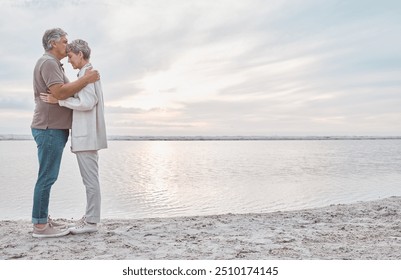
86, 100
63, 91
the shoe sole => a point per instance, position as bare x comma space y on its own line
59, 225
38, 235
86, 231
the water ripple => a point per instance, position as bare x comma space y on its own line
174, 178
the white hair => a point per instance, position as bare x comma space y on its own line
52, 35
79, 45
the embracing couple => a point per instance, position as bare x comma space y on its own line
61, 105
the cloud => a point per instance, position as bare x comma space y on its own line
220, 67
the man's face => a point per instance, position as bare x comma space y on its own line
60, 47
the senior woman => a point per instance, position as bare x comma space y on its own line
88, 134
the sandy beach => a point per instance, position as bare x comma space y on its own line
360, 231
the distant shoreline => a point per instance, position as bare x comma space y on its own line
13, 137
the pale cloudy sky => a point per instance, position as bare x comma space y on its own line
218, 67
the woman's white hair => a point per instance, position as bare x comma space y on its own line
79, 45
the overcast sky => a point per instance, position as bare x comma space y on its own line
218, 67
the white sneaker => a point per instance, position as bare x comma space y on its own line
83, 227
77, 222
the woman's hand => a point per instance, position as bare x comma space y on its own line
48, 98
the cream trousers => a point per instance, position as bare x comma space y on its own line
89, 168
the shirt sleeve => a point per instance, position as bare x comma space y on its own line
52, 73
85, 100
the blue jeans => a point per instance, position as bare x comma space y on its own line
50, 143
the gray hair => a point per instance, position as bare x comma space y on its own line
52, 35
79, 45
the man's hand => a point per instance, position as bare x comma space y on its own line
92, 75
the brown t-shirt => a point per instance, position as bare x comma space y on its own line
49, 71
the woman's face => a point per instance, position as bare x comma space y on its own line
75, 60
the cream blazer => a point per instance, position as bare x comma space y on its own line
88, 132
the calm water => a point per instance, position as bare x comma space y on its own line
179, 178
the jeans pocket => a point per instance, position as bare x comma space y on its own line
37, 132
38, 135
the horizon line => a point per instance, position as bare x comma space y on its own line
5, 137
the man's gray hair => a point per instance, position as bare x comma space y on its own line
52, 35
79, 45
